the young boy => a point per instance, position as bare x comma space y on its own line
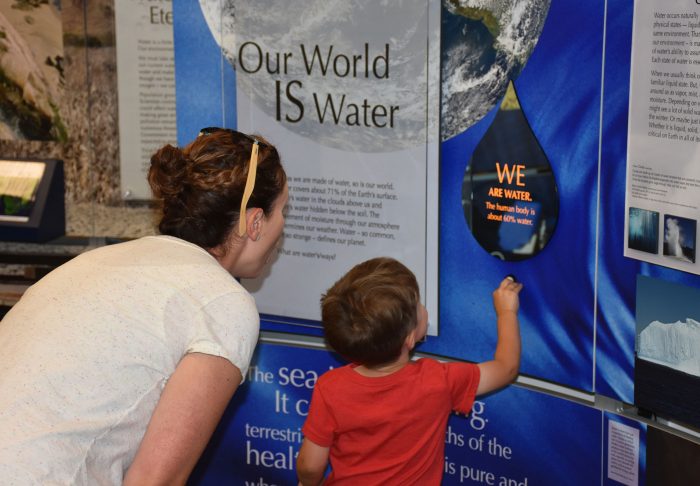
382, 419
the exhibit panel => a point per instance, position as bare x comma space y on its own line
624, 228
258, 438
533, 118
348, 109
616, 274
558, 93
514, 437
519, 437
545, 195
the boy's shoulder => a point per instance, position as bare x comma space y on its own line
334, 374
428, 362
433, 366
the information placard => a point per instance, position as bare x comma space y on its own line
663, 163
146, 82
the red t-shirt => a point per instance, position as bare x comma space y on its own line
391, 429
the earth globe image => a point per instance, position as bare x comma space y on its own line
485, 44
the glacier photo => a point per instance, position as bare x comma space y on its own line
675, 344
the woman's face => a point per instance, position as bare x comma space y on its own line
274, 225
260, 251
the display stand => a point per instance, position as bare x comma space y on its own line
32, 196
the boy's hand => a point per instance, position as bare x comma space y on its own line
505, 297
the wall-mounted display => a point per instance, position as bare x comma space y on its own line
551, 53
31, 200
562, 131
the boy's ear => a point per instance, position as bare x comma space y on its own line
411, 340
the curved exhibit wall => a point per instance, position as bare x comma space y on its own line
526, 176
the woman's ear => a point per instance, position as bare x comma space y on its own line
255, 221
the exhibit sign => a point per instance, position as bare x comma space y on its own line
348, 94
509, 193
663, 162
509, 439
625, 451
146, 83
519, 165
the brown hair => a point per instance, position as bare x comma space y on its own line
201, 185
370, 311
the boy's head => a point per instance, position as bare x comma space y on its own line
368, 314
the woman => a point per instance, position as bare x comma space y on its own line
117, 366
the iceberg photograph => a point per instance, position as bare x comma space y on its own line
667, 350
674, 344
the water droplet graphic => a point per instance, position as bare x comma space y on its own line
509, 194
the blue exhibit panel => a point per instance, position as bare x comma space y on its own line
579, 289
518, 437
617, 275
559, 93
204, 81
515, 437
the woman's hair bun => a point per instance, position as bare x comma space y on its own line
168, 172
201, 185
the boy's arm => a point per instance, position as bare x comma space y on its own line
503, 369
311, 463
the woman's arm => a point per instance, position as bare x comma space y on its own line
187, 413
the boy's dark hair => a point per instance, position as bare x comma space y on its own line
370, 311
